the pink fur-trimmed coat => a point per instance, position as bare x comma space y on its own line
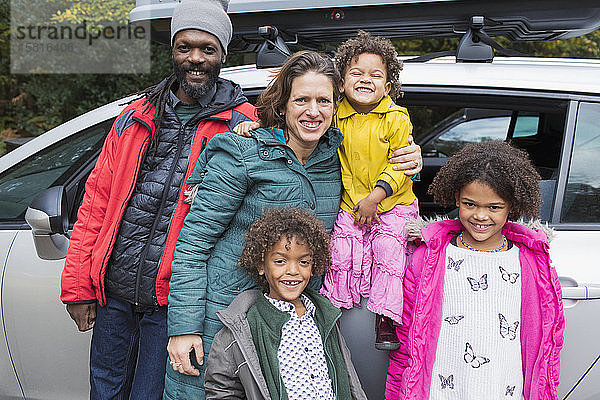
542, 318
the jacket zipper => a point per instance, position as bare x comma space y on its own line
114, 232
202, 147
138, 277
335, 382
237, 336
430, 256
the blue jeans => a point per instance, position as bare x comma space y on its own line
129, 352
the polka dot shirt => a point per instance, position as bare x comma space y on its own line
301, 356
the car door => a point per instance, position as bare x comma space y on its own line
47, 358
575, 251
444, 123
563, 139
467, 125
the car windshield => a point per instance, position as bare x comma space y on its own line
20, 184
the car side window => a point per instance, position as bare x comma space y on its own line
526, 125
582, 196
52, 166
477, 130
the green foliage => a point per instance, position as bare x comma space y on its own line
419, 47
50, 100
93, 11
31, 104
587, 46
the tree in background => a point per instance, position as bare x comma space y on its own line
31, 104
93, 11
587, 46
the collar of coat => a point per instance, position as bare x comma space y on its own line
328, 144
227, 96
236, 312
386, 105
532, 234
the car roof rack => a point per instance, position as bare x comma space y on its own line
474, 46
273, 51
316, 22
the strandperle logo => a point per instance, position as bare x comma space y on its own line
75, 37
81, 32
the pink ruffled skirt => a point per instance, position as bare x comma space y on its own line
370, 264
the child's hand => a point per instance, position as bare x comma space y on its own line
244, 128
366, 213
366, 209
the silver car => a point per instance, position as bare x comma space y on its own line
549, 107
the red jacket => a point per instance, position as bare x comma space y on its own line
107, 193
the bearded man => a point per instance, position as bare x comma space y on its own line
118, 265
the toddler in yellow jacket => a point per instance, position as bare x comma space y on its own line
369, 245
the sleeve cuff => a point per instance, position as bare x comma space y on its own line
80, 302
385, 186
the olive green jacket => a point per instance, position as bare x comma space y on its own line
234, 369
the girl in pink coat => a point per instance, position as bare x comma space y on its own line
483, 316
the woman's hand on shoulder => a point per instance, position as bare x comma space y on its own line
408, 158
244, 128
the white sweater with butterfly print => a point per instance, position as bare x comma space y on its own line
476, 344
540, 329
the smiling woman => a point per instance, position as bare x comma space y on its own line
308, 113
293, 163
300, 101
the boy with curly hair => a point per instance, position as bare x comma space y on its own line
283, 342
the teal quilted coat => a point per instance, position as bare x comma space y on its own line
238, 178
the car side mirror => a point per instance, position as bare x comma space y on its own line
48, 217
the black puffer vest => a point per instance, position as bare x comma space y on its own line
140, 242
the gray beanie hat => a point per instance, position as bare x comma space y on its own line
205, 15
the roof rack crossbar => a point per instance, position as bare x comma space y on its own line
475, 45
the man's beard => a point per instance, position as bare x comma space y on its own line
196, 91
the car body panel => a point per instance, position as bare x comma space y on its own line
562, 75
44, 341
582, 330
9, 386
572, 249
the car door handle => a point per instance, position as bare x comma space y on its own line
580, 292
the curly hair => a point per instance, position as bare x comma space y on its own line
275, 97
286, 223
501, 166
365, 43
